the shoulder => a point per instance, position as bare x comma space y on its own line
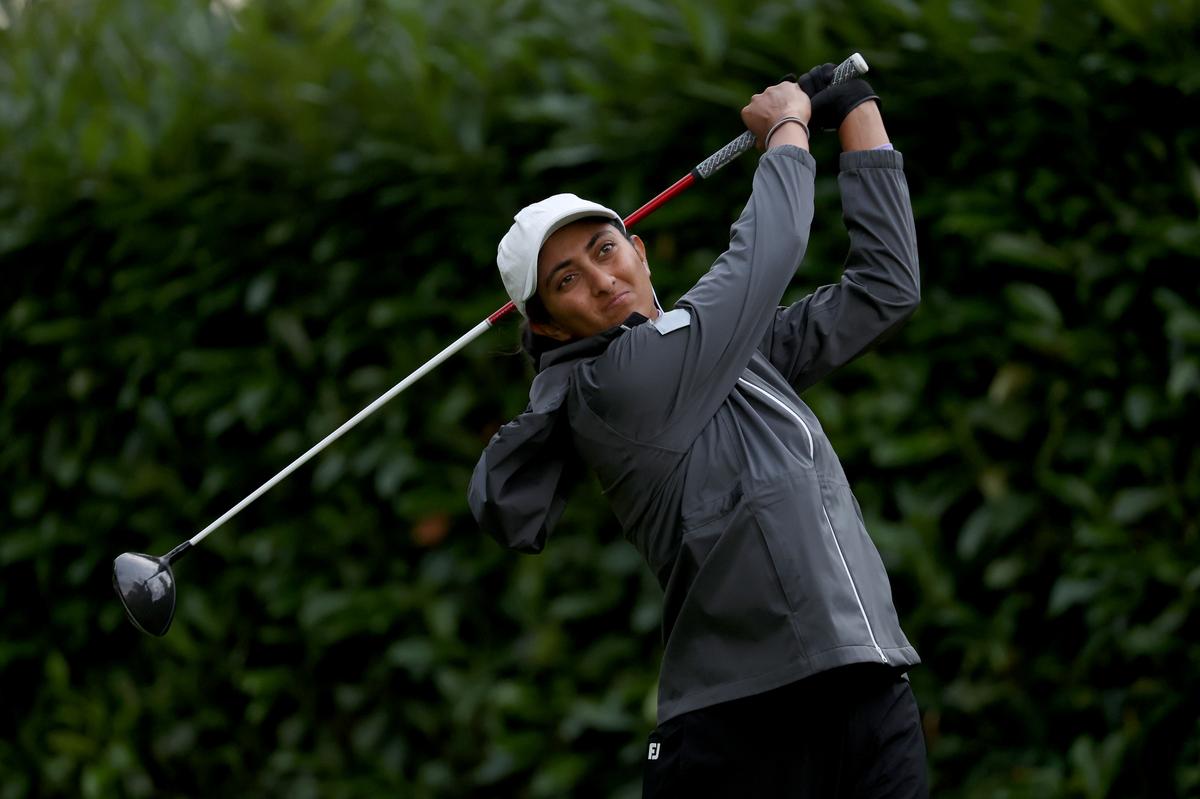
549, 387
632, 385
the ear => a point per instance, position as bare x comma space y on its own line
640, 246
549, 330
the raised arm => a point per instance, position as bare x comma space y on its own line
880, 283
664, 387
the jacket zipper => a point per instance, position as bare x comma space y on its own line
808, 433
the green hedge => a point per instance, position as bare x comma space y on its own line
224, 229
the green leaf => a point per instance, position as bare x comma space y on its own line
1071, 591
1133, 504
1034, 302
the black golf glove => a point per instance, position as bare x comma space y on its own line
831, 104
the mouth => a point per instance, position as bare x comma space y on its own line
618, 300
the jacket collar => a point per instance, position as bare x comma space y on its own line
590, 346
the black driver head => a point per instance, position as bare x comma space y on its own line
146, 587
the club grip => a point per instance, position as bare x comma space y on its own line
852, 67
849, 69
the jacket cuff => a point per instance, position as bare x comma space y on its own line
871, 159
793, 152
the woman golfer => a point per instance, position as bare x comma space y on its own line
783, 668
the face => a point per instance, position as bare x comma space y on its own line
591, 278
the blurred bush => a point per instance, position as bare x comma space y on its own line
225, 227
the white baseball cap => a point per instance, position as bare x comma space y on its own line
517, 255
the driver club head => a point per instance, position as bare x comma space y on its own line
146, 586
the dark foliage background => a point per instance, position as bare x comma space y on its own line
226, 228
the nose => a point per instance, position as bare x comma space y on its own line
600, 280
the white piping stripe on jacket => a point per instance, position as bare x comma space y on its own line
788, 410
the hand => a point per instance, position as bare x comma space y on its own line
815, 80
784, 99
831, 104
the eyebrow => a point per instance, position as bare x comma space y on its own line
567, 261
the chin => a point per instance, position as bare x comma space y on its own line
648, 311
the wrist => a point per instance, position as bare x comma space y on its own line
863, 129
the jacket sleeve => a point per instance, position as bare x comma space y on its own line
880, 283
664, 388
523, 478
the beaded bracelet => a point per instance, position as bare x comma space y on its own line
771, 132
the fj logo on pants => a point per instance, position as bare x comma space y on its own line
653, 751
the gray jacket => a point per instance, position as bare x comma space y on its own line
718, 473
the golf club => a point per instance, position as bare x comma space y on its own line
146, 584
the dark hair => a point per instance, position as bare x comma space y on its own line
535, 311
536, 346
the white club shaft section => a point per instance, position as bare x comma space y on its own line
429, 366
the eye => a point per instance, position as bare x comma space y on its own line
566, 281
606, 248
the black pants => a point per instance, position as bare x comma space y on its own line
850, 732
